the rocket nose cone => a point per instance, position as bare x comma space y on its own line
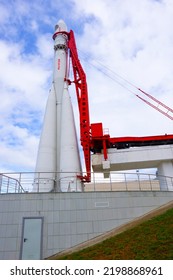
60, 26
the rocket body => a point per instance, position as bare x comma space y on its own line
58, 160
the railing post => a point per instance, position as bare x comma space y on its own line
110, 181
94, 181
8, 184
150, 182
138, 175
171, 181
38, 182
15, 187
166, 182
125, 179
76, 181
20, 175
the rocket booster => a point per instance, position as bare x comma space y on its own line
58, 160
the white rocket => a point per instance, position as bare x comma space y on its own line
58, 160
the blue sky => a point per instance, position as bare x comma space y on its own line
132, 38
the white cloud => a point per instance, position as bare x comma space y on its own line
134, 39
45, 47
4, 14
24, 89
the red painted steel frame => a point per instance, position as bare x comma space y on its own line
103, 142
92, 137
83, 104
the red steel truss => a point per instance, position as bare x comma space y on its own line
92, 137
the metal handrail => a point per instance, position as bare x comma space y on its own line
9, 187
23, 182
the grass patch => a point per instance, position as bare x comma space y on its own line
151, 240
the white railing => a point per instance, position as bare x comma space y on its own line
40, 182
10, 185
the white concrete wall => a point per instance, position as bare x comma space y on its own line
70, 218
165, 168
